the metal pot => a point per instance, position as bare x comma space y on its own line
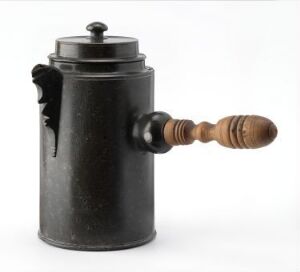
99, 133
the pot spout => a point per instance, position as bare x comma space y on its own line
48, 81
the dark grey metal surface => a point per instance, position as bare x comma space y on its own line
96, 46
97, 189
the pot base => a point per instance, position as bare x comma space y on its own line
99, 247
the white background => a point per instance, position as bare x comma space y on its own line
217, 209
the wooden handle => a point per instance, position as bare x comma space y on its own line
248, 131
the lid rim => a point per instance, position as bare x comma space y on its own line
68, 40
55, 57
93, 44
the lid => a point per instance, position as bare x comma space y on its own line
96, 46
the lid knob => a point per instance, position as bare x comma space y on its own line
97, 29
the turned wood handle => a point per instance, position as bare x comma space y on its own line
248, 131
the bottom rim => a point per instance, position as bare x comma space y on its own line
97, 247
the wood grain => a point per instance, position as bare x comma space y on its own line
248, 131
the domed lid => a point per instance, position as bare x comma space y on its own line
96, 47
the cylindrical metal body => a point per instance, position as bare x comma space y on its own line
97, 192
96, 182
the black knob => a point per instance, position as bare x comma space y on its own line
97, 29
